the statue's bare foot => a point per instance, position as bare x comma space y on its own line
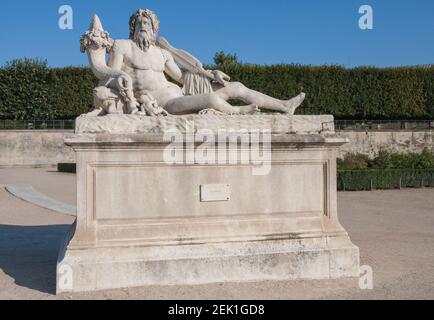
249, 109
294, 103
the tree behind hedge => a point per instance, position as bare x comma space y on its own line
31, 90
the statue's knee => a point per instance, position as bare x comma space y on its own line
215, 101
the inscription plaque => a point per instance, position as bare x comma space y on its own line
215, 192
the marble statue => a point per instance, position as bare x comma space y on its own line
134, 79
211, 192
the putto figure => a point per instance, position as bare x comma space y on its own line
136, 76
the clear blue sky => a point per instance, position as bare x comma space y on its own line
264, 32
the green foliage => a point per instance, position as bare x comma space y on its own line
71, 91
354, 162
24, 90
388, 160
26, 63
360, 93
222, 59
29, 89
383, 160
364, 180
387, 170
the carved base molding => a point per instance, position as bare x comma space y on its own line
121, 267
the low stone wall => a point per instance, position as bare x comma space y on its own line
370, 142
34, 148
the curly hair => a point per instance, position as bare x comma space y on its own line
144, 13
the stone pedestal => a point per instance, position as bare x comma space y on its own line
142, 221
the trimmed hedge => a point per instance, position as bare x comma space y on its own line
360, 93
364, 180
357, 172
387, 160
29, 89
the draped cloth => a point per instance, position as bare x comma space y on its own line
195, 84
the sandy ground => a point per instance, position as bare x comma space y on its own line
393, 229
57, 185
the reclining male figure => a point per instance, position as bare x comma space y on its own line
147, 63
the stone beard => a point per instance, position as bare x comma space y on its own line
144, 27
144, 39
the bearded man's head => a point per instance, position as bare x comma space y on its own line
144, 28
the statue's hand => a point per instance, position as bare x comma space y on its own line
150, 105
154, 110
124, 85
220, 77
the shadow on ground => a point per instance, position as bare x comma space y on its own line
28, 254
